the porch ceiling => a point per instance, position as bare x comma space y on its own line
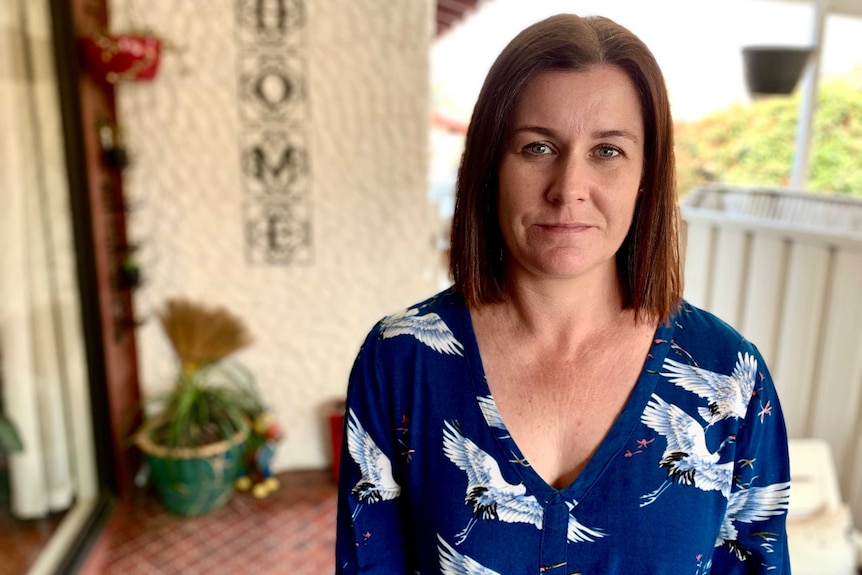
842, 7
849, 7
450, 12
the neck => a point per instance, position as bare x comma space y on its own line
562, 309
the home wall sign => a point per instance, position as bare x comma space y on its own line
274, 164
273, 116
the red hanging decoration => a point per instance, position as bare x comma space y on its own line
121, 58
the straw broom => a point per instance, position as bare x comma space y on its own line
202, 335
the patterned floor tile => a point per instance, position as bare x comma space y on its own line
290, 531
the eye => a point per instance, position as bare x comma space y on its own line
538, 148
608, 152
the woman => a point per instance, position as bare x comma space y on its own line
561, 408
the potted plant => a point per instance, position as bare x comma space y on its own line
194, 435
9, 440
774, 69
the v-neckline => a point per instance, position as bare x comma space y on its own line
613, 443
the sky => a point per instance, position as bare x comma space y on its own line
698, 44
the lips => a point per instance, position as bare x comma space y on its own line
566, 226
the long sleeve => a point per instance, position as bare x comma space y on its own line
752, 537
370, 530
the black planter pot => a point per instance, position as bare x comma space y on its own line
774, 69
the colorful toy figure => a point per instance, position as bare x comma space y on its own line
256, 473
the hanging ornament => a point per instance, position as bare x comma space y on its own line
121, 58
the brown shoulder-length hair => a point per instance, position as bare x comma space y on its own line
648, 260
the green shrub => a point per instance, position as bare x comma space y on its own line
755, 144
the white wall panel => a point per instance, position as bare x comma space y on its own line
698, 257
838, 396
799, 338
728, 273
764, 294
801, 302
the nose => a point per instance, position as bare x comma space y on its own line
570, 181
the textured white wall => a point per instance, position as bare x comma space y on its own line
366, 124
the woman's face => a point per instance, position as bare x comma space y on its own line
569, 173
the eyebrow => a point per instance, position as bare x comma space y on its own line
600, 134
616, 134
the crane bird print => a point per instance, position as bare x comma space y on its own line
488, 493
430, 329
490, 412
728, 395
376, 483
454, 563
687, 459
750, 505
576, 532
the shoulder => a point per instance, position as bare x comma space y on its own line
709, 339
693, 321
434, 323
444, 303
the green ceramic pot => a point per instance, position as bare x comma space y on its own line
192, 481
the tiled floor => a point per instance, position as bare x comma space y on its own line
22, 541
292, 531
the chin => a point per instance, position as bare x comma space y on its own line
566, 266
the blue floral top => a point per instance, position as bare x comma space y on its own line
692, 478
